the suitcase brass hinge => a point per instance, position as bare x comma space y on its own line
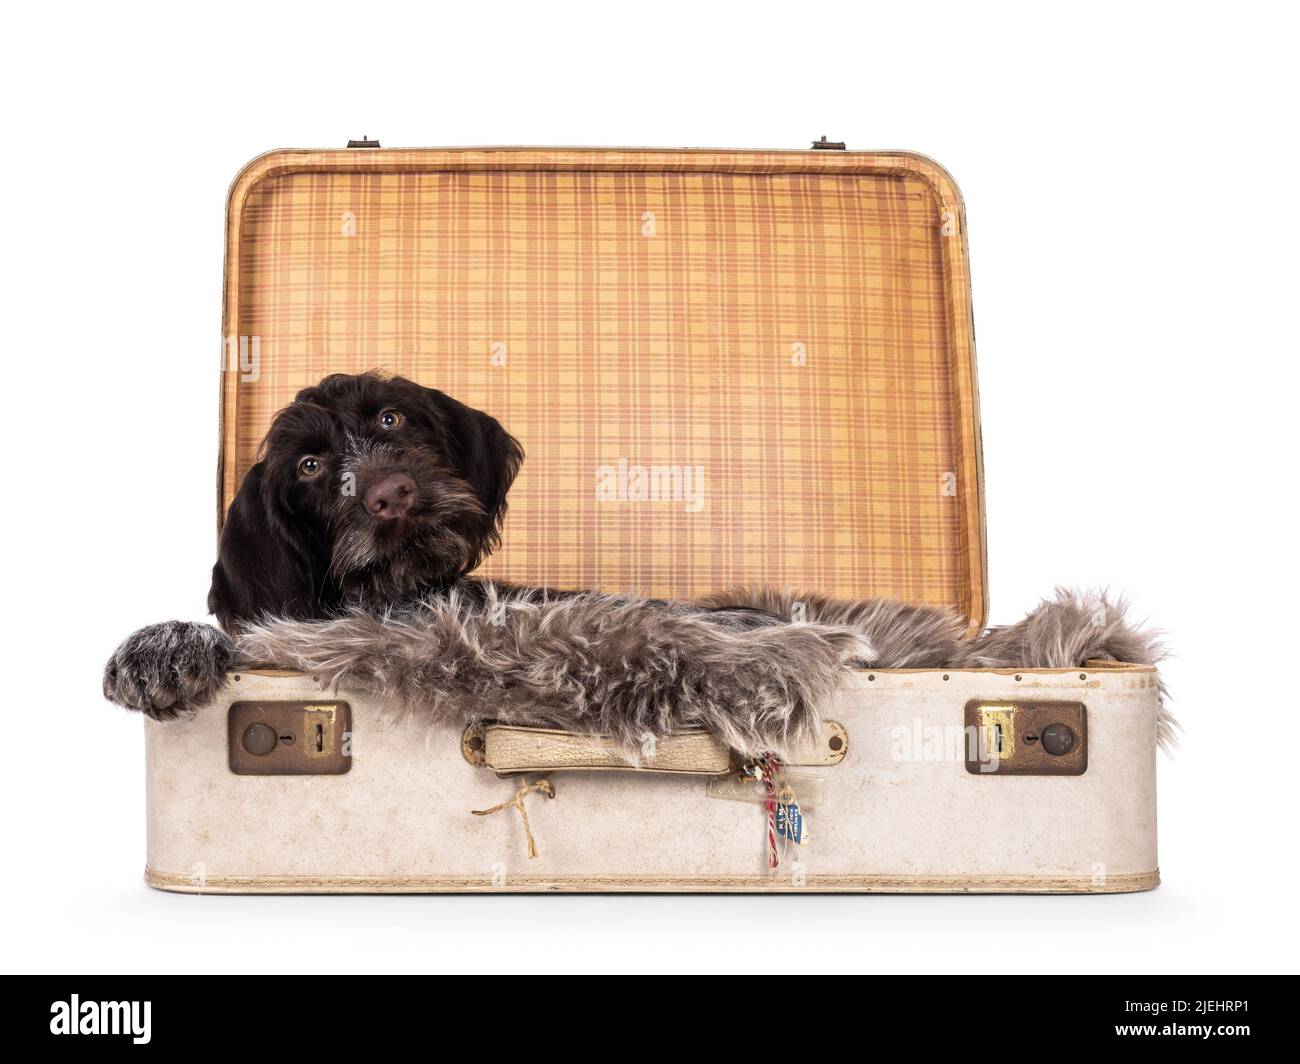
828, 145
364, 142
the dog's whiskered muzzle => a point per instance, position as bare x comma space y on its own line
391, 497
410, 523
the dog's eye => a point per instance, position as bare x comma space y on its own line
309, 466
390, 419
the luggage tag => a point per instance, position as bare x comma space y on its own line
782, 798
790, 822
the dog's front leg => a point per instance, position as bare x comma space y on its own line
165, 669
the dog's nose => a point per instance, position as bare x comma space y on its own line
391, 496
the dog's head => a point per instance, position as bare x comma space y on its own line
367, 489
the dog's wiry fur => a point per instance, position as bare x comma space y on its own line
325, 569
166, 669
443, 539
308, 546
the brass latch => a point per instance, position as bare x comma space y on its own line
1014, 738
289, 738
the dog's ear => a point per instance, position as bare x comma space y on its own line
484, 455
268, 563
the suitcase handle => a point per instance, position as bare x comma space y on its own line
509, 749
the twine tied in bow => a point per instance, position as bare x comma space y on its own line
543, 786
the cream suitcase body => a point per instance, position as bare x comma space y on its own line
725, 367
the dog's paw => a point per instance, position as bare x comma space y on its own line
165, 669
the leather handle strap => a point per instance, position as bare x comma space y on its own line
505, 748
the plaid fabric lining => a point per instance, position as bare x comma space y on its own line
777, 345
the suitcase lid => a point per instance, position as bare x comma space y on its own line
725, 367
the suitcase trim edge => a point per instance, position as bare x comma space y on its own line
1127, 883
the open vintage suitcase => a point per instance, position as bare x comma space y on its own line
725, 367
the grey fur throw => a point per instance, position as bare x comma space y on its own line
370, 589
637, 669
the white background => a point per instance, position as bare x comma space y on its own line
1129, 177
